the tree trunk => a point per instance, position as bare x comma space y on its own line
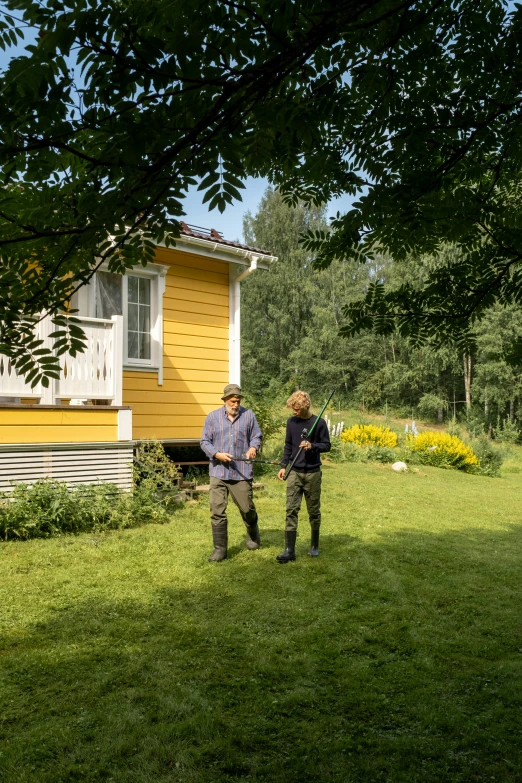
512, 409
440, 415
467, 379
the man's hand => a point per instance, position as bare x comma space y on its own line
306, 445
223, 456
281, 474
251, 453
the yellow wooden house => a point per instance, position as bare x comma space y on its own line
162, 342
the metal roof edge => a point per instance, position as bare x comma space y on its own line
221, 251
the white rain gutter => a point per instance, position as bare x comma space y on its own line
219, 247
234, 342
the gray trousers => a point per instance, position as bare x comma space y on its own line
242, 495
309, 485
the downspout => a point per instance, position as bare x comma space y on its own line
235, 321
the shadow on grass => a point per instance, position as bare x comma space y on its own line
275, 537
397, 660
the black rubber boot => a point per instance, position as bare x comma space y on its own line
220, 539
289, 554
314, 548
253, 539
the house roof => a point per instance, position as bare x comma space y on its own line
211, 235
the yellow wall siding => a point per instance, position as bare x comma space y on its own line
195, 351
36, 425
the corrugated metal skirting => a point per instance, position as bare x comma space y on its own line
84, 464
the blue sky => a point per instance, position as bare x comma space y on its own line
230, 223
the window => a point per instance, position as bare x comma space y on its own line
108, 300
139, 317
142, 296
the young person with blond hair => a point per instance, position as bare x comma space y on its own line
305, 476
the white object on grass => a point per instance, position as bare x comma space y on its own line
399, 467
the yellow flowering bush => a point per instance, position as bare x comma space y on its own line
370, 435
442, 450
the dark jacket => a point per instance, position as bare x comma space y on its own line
309, 461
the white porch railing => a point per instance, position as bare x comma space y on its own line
95, 374
13, 385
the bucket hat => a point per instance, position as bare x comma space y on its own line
231, 390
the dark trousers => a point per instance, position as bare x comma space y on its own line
309, 485
242, 495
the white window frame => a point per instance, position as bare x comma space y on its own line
156, 274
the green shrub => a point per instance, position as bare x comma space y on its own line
429, 406
197, 473
48, 507
403, 412
475, 422
490, 457
343, 452
454, 428
268, 416
336, 453
381, 454
153, 464
348, 451
508, 431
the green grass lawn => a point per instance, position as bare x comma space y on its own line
395, 656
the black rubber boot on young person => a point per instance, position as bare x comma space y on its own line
253, 539
314, 547
220, 539
289, 554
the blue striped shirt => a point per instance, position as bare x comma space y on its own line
233, 437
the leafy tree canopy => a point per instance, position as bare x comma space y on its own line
411, 106
290, 335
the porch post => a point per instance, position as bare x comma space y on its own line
50, 393
117, 360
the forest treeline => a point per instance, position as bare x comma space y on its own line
292, 315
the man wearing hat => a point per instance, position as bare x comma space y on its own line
231, 431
